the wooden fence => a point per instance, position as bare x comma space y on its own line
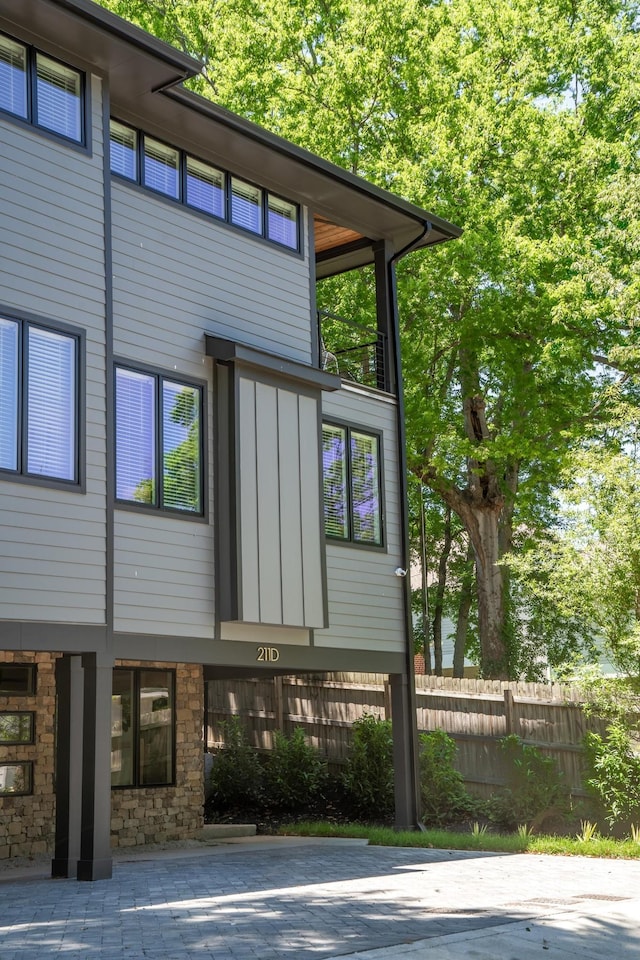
475, 713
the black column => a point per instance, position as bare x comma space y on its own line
69, 709
95, 844
405, 762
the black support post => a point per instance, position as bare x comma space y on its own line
69, 715
405, 769
95, 844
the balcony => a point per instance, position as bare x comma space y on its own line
353, 351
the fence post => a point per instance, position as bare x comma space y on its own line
512, 723
387, 700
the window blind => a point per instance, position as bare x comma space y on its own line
161, 166
58, 98
246, 206
135, 437
334, 470
205, 187
282, 222
51, 404
9, 333
13, 77
123, 142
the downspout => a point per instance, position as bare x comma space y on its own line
404, 509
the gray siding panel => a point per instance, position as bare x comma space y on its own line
178, 274
52, 542
290, 509
365, 597
248, 527
270, 572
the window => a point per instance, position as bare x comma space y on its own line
38, 400
42, 90
17, 727
352, 488
142, 727
176, 174
16, 779
17, 679
158, 441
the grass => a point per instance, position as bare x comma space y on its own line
597, 846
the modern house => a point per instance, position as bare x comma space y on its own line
201, 474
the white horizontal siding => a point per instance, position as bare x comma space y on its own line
52, 542
366, 609
178, 275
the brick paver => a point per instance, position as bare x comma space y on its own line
291, 901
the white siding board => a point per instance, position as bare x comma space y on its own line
311, 526
52, 265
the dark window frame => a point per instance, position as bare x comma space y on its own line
135, 723
159, 376
4, 794
31, 681
181, 199
24, 323
31, 76
32, 727
350, 539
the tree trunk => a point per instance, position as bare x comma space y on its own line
426, 649
440, 589
462, 620
494, 659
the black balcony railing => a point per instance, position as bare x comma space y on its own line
352, 350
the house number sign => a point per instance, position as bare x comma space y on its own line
268, 654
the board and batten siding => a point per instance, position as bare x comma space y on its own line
365, 597
52, 542
280, 555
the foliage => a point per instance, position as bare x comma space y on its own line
535, 787
520, 122
368, 777
294, 771
613, 773
236, 773
447, 840
442, 792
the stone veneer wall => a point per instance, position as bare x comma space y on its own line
154, 814
27, 824
145, 815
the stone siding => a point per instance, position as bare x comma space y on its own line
27, 824
153, 814
138, 816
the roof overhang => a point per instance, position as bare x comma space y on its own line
144, 77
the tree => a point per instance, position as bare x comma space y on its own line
520, 122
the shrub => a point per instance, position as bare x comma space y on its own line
236, 773
294, 771
368, 778
612, 773
535, 787
442, 790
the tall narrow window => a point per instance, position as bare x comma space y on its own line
123, 145
142, 727
42, 90
158, 441
161, 167
58, 98
205, 188
38, 400
282, 222
246, 205
352, 485
13, 77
